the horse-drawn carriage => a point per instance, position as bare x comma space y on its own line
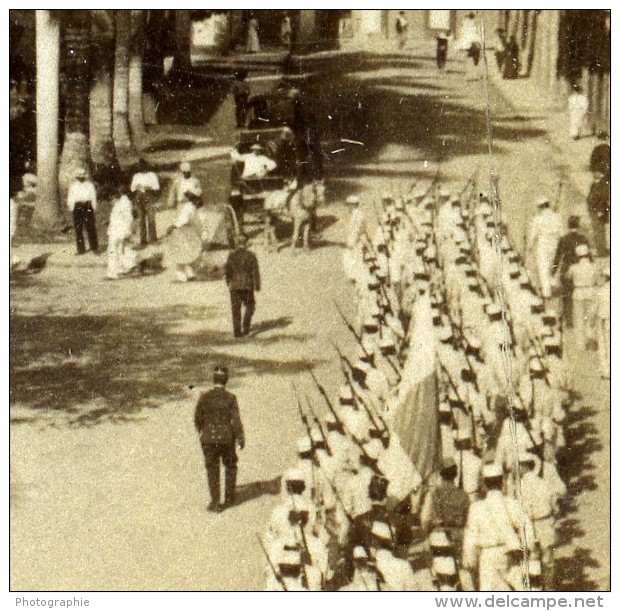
277, 131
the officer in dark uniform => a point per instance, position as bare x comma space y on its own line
243, 278
219, 426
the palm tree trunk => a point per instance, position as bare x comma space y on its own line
102, 65
75, 151
122, 136
47, 211
136, 114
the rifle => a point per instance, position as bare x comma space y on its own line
302, 414
344, 360
319, 426
329, 404
351, 328
306, 557
471, 411
276, 573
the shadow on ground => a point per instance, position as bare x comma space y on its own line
97, 368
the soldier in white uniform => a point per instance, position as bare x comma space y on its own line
539, 503
542, 240
365, 577
496, 535
468, 464
352, 257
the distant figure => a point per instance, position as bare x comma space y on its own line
598, 203
577, 112
583, 275
82, 203
565, 256
603, 328
14, 212
252, 44
243, 278
185, 242
219, 426
241, 95
501, 45
511, 59
600, 159
286, 31
471, 43
256, 164
145, 185
543, 236
121, 257
442, 48
184, 186
402, 27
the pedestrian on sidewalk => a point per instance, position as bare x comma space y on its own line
243, 278
598, 201
145, 186
402, 29
442, 48
577, 112
82, 203
542, 239
583, 275
511, 59
184, 186
219, 427
252, 44
603, 328
286, 31
185, 241
565, 256
501, 46
121, 256
241, 95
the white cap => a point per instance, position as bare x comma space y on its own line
444, 565
542, 200
534, 568
359, 553
536, 365
346, 394
294, 475
353, 200
493, 309
582, 250
185, 167
304, 445
373, 448
445, 333
381, 530
438, 539
491, 471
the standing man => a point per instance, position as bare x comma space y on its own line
598, 208
402, 25
565, 257
185, 186
543, 237
583, 276
218, 423
145, 185
243, 278
82, 202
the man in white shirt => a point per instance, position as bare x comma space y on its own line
82, 202
544, 234
185, 187
256, 165
145, 185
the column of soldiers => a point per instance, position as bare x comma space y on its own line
355, 513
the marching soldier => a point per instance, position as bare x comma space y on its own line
496, 534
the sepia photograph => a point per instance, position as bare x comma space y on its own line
309, 300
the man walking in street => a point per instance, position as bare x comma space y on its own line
565, 257
243, 278
544, 234
82, 202
218, 423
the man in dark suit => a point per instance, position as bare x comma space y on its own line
243, 278
218, 423
565, 257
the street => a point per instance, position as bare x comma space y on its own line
108, 486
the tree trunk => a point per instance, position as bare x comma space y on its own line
47, 211
183, 31
102, 65
75, 150
136, 114
122, 136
